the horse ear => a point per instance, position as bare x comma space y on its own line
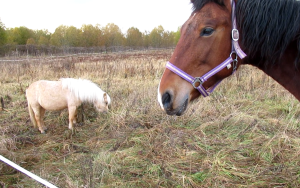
105, 98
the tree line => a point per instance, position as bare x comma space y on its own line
88, 36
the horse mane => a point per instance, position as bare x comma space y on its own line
267, 26
83, 89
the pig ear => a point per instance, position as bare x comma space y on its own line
105, 98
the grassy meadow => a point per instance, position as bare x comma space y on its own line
246, 134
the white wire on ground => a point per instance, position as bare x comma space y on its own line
33, 176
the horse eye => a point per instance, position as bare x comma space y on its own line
206, 32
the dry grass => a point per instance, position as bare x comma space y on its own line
245, 135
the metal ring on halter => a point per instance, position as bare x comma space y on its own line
235, 34
197, 80
236, 56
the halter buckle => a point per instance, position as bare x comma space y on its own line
235, 34
197, 80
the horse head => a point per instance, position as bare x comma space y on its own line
103, 104
205, 42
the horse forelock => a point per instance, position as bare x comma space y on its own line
268, 27
198, 4
83, 89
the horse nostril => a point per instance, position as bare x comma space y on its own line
166, 100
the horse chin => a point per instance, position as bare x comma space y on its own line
179, 110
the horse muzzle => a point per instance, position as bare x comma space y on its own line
171, 106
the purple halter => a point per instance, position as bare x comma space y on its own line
236, 49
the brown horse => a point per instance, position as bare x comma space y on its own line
268, 31
65, 93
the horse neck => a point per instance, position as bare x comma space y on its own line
284, 72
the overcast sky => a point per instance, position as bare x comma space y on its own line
144, 15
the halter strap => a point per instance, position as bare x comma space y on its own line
236, 49
235, 33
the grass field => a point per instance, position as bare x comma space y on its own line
246, 134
